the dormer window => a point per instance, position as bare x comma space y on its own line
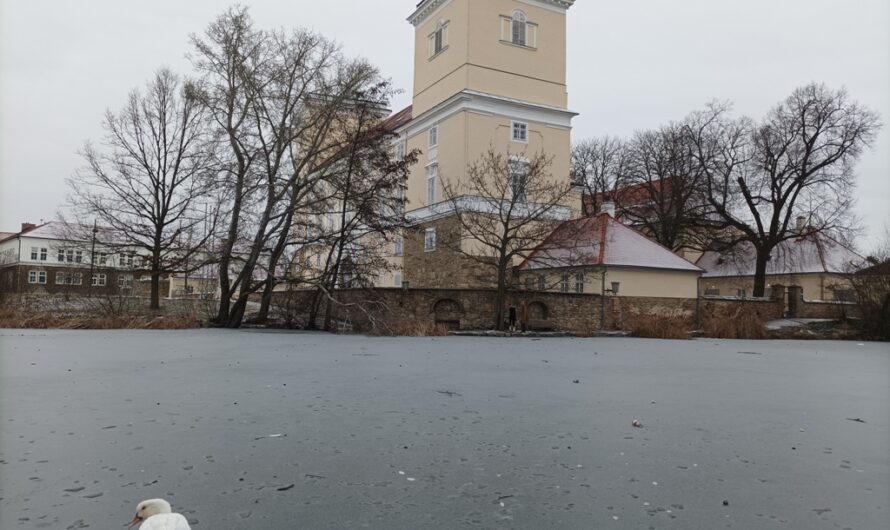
438, 40
520, 28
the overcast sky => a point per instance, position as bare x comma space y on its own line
632, 64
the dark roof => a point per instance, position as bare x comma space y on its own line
602, 240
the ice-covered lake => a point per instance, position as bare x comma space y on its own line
247, 429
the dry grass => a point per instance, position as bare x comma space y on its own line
22, 319
658, 326
739, 325
417, 329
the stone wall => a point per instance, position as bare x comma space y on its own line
444, 267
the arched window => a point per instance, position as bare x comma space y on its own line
520, 28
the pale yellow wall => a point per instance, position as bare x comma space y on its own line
815, 286
633, 282
428, 71
477, 59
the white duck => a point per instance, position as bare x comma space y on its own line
156, 514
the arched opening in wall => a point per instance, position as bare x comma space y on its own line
448, 312
538, 311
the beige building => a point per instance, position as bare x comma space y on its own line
599, 255
488, 74
816, 262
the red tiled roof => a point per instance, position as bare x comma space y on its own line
602, 240
398, 119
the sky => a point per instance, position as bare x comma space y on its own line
632, 64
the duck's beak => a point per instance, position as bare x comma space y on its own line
136, 520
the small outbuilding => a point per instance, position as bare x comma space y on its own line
599, 254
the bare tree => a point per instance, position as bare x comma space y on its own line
660, 190
597, 164
273, 96
505, 206
148, 183
797, 162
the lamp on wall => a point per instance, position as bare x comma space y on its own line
614, 289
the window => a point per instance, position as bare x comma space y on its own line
433, 136
125, 281
397, 244
69, 278
43, 253
69, 256
429, 240
711, 291
564, 283
400, 201
78, 256
542, 283
530, 283
520, 28
397, 280
579, 282
519, 170
37, 277
34, 253
438, 40
520, 132
126, 260
99, 280
432, 172
61, 255
400, 150
103, 258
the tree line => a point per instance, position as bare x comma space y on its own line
713, 181
270, 152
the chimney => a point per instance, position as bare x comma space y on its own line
27, 227
608, 207
800, 224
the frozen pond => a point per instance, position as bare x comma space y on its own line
241, 429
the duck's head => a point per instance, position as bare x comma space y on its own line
146, 509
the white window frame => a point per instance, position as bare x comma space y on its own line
517, 162
60, 278
43, 253
35, 252
78, 256
564, 283
125, 281
542, 283
397, 279
579, 282
520, 126
99, 279
37, 277
438, 39
429, 240
432, 136
69, 255
103, 258
519, 19
432, 176
397, 245
60, 257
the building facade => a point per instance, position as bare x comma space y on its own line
487, 75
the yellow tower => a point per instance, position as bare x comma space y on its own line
487, 74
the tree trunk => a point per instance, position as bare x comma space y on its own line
266, 300
155, 304
500, 297
760, 272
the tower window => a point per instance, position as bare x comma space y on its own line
520, 28
520, 132
432, 172
519, 170
433, 136
439, 39
429, 240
